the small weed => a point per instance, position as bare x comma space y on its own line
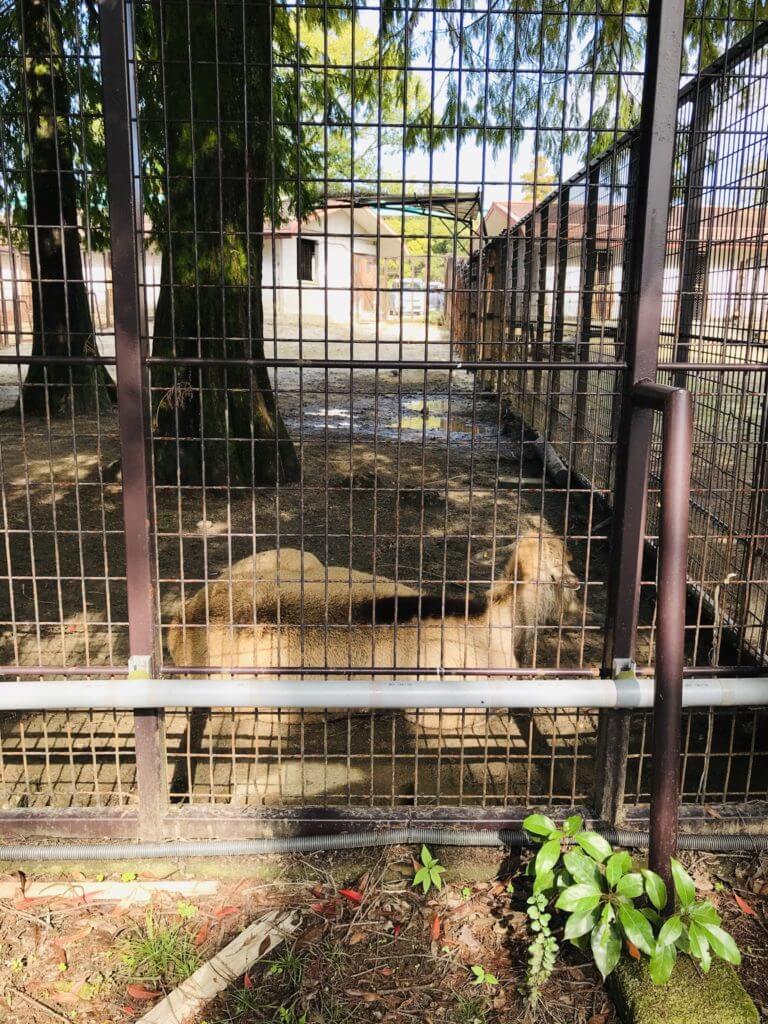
483, 977
288, 966
288, 1015
245, 1002
469, 1010
128, 876
160, 952
466, 892
431, 872
185, 910
17, 965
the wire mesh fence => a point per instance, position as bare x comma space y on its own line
367, 313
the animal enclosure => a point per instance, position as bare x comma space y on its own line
241, 436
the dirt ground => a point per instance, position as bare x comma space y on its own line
380, 948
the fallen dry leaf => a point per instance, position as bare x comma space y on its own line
67, 940
142, 994
310, 935
367, 997
247, 982
326, 909
598, 1018
356, 937
634, 952
202, 934
226, 911
743, 906
65, 998
434, 931
352, 895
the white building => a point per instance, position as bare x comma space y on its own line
329, 265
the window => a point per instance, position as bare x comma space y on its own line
603, 260
307, 256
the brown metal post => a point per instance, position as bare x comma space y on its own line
690, 230
675, 405
587, 287
652, 176
125, 213
558, 327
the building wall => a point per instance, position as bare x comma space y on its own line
330, 289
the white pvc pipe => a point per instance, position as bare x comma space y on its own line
372, 693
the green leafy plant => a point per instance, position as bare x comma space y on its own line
430, 873
483, 977
542, 950
185, 910
695, 929
596, 888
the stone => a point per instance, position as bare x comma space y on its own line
689, 997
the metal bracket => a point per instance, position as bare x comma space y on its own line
140, 666
624, 668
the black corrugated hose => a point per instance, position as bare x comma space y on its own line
415, 835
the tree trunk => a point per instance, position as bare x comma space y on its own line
61, 316
212, 423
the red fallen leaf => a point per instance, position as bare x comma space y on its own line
397, 929
326, 909
386, 971
30, 901
352, 895
225, 912
434, 931
141, 993
743, 906
634, 952
202, 934
247, 982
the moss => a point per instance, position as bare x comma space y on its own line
690, 997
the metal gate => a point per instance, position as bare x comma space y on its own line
483, 388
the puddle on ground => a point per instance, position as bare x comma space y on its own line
410, 419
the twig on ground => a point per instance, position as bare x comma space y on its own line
39, 1004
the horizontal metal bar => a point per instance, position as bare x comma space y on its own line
174, 671
29, 360
383, 364
372, 693
716, 367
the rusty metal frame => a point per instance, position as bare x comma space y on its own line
653, 156
675, 406
126, 215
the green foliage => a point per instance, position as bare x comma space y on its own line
430, 873
469, 1011
539, 180
160, 952
483, 977
288, 966
542, 950
596, 888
